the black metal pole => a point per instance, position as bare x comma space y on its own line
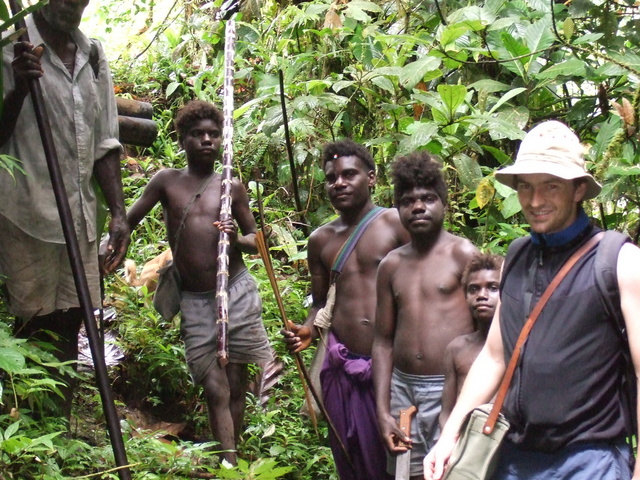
79, 276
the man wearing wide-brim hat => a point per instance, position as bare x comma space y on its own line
567, 407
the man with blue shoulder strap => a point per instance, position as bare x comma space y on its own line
344, 264
567, 404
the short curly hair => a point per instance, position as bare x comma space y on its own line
193, 112
486, 261
418, 169
346, 148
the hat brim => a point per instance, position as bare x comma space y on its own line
507, 175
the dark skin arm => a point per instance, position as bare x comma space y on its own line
382, 357
151, 195
26, 66
245, 243
299, 337
107, 173
450, 390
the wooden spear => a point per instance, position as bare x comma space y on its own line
222, 279
302, 370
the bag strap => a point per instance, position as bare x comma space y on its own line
526, 329
203, 186
352, 241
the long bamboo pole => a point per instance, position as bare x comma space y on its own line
222, 280
77, 268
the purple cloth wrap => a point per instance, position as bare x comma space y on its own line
347, 390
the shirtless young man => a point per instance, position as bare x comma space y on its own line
421, 308
481, 284
347, 386
199, 126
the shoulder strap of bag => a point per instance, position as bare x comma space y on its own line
352, 241
526, 329
201, 188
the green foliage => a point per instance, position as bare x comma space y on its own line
463, 80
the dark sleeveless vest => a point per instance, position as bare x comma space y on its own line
567, 387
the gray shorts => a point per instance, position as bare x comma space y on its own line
38, 274
425, 393
248, 342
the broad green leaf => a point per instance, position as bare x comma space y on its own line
489, 86
472, 13
606, 133
4, 15
367, 6
284, 239
468, 170
485, 192
538, 35
414, 72
623, 171
539, 5
506, 22
11, 430
342, 84
15, 445
11, 361
630, 59
357, 13
421, 133
501, 128
44, 440
439, 116
503, 190
572, 67
172, 87
588, 38
452, 96
510, 205
452, 32
383, 83
394, 71
516, 50
506, 97
498, 154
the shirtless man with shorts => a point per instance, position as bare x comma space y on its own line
421, 308
347, 386
199, 126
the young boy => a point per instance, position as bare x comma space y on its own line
481, 284
420, 308
199, 126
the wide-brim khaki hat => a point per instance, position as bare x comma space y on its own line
550, 147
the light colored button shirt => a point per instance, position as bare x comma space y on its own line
84, 125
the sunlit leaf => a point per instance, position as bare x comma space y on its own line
414, 72
468, 170
452, 96
572, 67
485, 192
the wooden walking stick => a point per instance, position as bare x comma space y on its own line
302, 370
222, 279
75, 259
